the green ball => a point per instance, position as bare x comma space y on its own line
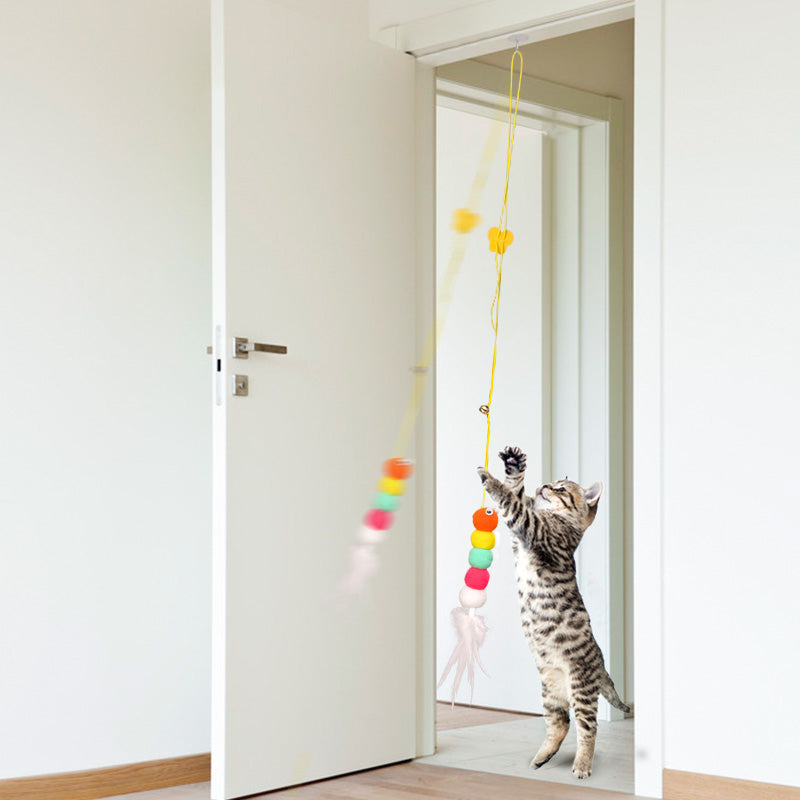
480, 558
386, 502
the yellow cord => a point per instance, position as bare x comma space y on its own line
434, 335
513, 106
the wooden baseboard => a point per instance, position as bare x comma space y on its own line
694, 786
93, 783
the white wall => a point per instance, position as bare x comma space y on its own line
464, 359
731, 385
104, 420
384, 13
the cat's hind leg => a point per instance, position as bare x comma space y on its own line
556, 714
586, 729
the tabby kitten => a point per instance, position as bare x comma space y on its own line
545, 531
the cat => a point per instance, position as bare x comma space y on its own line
545, 530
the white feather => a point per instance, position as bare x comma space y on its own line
471, 631
364, 563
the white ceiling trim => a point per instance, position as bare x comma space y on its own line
477, 30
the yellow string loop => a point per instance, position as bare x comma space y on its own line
513, 106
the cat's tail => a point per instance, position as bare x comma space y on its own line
610, 693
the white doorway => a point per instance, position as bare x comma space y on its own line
559, 390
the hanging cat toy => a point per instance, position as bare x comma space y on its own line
470, 627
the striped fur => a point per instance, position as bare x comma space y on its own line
545, 531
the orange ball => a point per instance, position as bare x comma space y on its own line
399, 468
485, 519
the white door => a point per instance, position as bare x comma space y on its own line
315, 249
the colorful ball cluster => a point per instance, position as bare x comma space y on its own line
391, 486
480, 558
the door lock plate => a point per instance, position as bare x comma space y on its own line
241, 385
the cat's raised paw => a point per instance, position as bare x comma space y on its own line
514, 459
483, 474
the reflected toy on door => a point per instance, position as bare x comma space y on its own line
376, 524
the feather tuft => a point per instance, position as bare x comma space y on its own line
364, 564
471, 631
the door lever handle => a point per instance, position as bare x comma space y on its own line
242, 348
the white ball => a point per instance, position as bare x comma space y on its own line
471, 598
367, 535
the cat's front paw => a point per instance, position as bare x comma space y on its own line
514, 459
484, 475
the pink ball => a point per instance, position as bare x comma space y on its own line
380, 520
476, 578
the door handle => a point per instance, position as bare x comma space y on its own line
242, 348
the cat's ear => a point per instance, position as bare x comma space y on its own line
592, 494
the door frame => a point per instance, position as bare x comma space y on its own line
475, 30
470, 31
648, 444
425, 430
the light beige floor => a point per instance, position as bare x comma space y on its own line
506, 748
481, 754
457, 716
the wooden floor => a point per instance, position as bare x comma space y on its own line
414, 781
408, 781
